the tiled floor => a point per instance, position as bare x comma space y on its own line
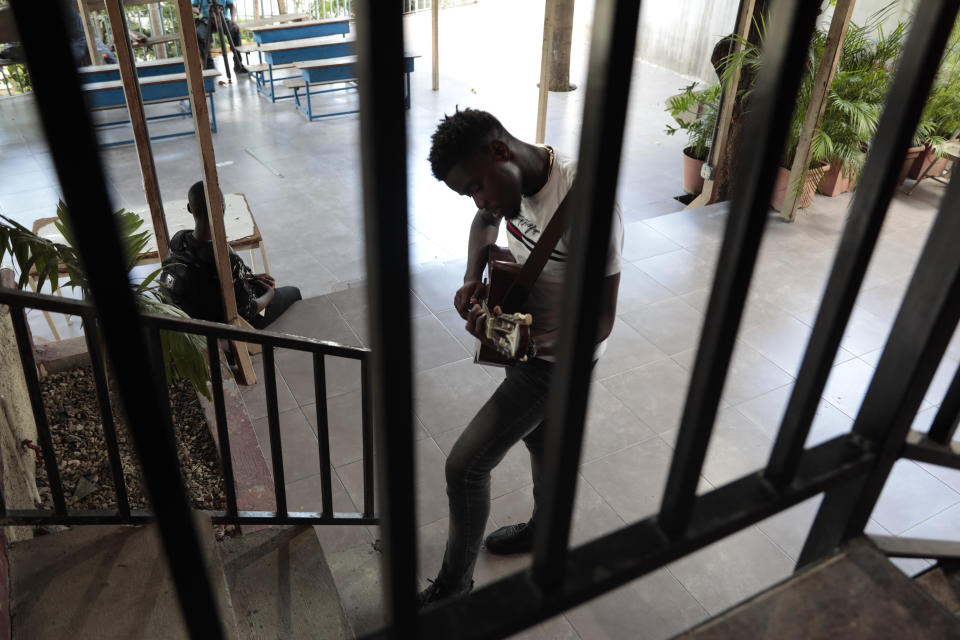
310, 216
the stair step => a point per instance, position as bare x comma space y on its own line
281, 587
356, 572
942, 583
100, 582
857, 593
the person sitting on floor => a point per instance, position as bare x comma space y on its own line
190, 281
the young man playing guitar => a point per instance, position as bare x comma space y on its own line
525, 185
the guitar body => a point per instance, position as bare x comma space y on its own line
511, 328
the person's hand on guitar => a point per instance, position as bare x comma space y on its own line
467, 296
505, 333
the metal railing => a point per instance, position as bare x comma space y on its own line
850, 469
212, 332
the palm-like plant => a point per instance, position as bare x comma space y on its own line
940, 120
856, 96
184, 354
695, 113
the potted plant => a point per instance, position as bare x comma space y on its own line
185, 354
749, 55
695, 112
855, 101
940, 121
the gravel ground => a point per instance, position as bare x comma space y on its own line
71, 405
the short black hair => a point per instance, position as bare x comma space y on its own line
197, 197
459, 135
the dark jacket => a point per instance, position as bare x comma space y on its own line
189, 280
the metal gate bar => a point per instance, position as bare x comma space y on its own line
593, 197
923, 327
223, 434
384, 162
98, 366
784, 54
948, 416
898, 123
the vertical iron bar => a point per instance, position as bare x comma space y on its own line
273, 423
383, 138
366, 399
323, 433
772, 103
69, 131
25, 347
99, 366
223, 433
613, 43
917, 68
923, 327
948, 416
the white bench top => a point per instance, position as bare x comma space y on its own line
294, 25
164, 79
237, 220
249, 25
116, 67
304, 43
337, 62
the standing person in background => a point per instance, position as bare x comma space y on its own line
206, 27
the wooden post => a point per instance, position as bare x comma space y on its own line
435, 33
156, 26
818, 103
201, 124
546, 59
138, 121
726, 107
88, 32
282, 6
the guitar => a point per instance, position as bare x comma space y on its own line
510, 332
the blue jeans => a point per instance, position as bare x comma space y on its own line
514, 412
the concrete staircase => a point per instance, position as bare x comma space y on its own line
856, 593
101, 582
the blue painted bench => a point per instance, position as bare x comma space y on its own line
334, 71
154, 89
107, 72
281, 55
299, 30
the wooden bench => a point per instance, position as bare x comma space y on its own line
335, 71
287, 52
238, 221
298, 30
154, 89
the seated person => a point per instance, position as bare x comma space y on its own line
190, 278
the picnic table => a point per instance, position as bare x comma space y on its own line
283, 54
154, 89
340, 70
298, 30
238, 221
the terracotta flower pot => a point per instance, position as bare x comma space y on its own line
912, 154
810, 181
927, 159
836, 181
692, 180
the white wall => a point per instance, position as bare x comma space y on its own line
680, 34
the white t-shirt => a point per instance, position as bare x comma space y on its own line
545, 301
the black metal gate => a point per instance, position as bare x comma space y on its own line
850, 469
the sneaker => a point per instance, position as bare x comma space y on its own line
516, 538
437, 591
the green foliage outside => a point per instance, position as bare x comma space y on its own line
940, 121
185, 354
695, 113
855, 101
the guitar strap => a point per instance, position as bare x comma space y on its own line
517, 294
